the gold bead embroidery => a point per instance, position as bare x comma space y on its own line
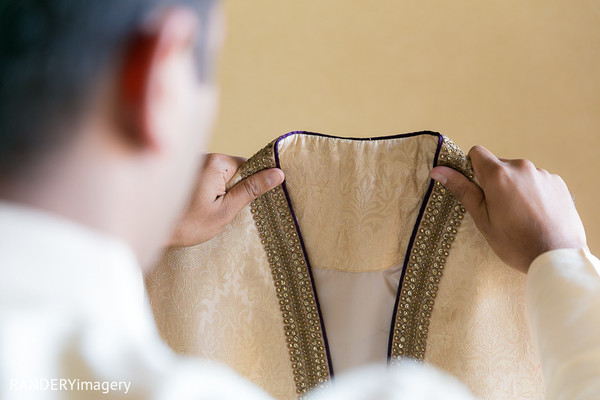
427, 257
291, 277
297, 300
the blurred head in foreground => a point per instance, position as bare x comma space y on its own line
105, 108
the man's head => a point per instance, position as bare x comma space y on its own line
105, 106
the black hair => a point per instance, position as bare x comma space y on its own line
53, 55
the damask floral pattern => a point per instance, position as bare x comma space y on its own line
355, 200
217, 301
478, 328
356, 203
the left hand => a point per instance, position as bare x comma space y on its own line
212, 208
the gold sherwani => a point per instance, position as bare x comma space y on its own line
359, 257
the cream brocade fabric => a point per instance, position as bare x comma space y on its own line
247, 298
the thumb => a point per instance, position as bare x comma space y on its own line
468, 193
249, 189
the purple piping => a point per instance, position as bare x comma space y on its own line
410, 244
401, 135
310, 274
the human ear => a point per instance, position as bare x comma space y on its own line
143, 87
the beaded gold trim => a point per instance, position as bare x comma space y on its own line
435, 234
297, 300
291, 277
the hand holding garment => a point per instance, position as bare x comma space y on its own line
358, 258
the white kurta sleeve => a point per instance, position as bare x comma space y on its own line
563, 304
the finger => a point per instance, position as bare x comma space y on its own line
222, 165
249, 189
522, 164
468, 193
216, 171
483, 162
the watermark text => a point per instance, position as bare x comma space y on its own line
69, 385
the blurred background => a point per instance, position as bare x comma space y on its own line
520, 77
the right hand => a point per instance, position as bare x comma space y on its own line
522, 211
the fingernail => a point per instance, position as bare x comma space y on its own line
274, 177
439, 177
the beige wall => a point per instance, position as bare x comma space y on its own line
520, 77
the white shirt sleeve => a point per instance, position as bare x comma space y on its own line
563, 305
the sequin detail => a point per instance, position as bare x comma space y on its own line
427, 257
291, 277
